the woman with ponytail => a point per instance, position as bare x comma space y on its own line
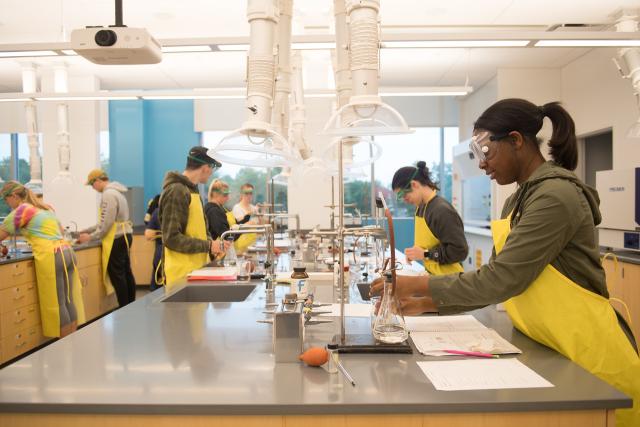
546, 263
59, 291
438, 231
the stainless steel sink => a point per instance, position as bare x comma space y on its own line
212, 293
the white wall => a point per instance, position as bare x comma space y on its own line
599, 99
474, 104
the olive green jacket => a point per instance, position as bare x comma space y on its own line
553, 219
174, 212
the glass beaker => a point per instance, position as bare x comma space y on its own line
389, 326
230, 258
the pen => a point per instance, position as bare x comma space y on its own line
345, 373
472, 353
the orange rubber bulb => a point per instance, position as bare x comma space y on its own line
315, 356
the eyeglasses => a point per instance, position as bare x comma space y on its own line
407, 188
478, 144
250, 193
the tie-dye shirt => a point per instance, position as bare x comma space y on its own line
28, 220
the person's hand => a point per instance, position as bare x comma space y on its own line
415, 253
406, 286
413, 306
216, 247
84, 237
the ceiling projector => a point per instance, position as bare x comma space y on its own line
118, 45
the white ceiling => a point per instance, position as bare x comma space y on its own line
35, 21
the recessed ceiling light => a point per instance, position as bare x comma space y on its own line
417, 44
27, 53
15, 99
195, 48
588, 43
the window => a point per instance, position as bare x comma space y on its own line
14, 161
432, 145
236, 175
104, 150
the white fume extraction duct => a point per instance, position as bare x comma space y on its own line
29, 85
365, 114
627, 21
298, 115
310, 164
280, 118
61, 85
342, 74
256, 143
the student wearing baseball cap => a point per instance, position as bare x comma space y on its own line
186, 239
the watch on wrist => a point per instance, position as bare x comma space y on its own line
427, 255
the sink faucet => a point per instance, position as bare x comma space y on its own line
267, 230
275, 216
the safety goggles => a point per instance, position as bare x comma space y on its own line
407, 188
247, 192
479, 146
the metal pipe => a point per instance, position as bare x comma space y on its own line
341, 240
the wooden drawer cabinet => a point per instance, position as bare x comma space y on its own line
21, 341
92, 290
18, 296
87, 257
624, 284
17, 273
15, 320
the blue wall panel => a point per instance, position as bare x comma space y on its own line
149, 138
169, 134
126, 142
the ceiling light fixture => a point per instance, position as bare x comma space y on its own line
182, 49
27, 53
25, 99
421, 44
588, 43
86, 98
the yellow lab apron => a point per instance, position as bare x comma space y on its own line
178, 264
245, 240
107, 245
44, 255
578, 324
424, 238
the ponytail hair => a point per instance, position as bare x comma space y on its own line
514, 114
403, 176
23, 193
563, 146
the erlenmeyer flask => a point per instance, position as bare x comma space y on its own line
389, 326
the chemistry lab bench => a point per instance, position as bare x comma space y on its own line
175, 363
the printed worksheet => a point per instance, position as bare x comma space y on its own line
483, 340
485, 374
464, 322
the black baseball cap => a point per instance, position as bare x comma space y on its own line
201, 155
